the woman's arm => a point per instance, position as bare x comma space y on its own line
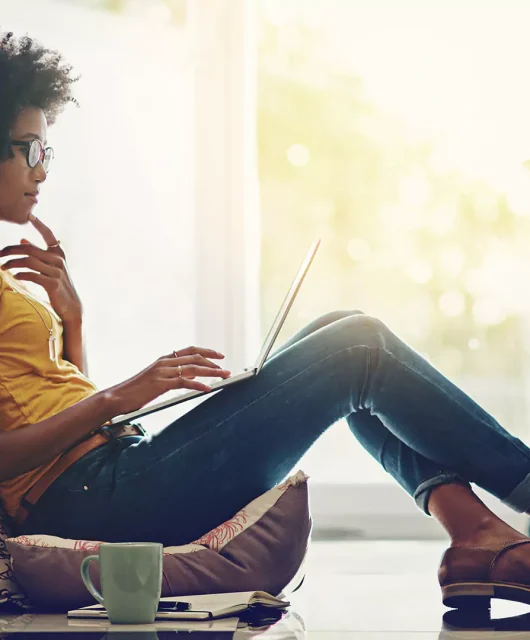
73, 344
33, 445
49, 270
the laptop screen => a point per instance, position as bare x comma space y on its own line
286, 306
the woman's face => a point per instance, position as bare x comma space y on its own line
17, 178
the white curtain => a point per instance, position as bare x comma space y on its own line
148, 190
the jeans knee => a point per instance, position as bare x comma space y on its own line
333, 316
354, 326
364, 325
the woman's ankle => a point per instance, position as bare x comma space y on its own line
488, 533
467, 520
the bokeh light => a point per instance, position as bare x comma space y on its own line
452, 303
298, 155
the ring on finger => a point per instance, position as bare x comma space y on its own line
179, 371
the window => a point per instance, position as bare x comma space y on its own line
406, 156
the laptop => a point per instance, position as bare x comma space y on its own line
216, 385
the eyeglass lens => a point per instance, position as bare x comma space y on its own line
36, 153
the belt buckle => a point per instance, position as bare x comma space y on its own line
107, 432
142, 431
110, 430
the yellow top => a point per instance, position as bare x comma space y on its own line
33, 387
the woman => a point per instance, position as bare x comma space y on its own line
62, 474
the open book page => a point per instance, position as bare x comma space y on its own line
219, 603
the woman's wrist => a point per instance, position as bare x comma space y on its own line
74, 318
117, 400
110, 403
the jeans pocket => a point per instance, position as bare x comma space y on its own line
91, 473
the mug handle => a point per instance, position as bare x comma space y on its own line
85, 566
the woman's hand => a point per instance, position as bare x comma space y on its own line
49, 270
177, 370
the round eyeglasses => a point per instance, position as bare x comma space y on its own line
36, 153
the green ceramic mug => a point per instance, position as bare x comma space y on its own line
131, 580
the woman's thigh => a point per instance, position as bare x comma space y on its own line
236, 445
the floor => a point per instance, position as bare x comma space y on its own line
371, 590
383, 590
379, 589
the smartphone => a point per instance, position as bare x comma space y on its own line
163, 605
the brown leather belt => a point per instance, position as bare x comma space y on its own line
98, 439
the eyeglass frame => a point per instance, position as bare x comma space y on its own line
27, 144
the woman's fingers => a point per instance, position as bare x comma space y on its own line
187, 383
191, 351
32, 263
193, 371
196, 359
189, 373
187, 364
46, 233
29, 249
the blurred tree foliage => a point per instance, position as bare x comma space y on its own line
403, 239
177, 8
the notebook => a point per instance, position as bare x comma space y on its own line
202, 607
218, 629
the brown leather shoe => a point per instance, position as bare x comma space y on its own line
471, 576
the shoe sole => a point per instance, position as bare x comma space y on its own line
477, 595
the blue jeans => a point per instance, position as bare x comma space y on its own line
205, 466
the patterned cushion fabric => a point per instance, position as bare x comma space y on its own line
11, 595
263, 546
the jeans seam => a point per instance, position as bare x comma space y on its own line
362, 393
368, 371
382, 450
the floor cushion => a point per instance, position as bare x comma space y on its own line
11, 594
263, 546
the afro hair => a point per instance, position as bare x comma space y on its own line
30, 76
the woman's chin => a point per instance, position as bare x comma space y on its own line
18, 216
